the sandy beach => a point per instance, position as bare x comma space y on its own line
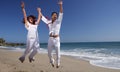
9, 63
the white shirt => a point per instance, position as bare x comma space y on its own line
54, 27
32, 30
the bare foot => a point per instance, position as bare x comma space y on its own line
22, 59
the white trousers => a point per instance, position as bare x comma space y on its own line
54, 43
32, 44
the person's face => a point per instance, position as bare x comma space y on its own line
54, 17
31, 20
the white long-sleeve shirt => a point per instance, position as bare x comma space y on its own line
32, 30
54, 27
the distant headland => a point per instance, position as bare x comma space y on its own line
4, 43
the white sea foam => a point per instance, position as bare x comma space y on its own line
102, 57
108, 62
99, 57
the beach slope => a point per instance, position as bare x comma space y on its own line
9, 63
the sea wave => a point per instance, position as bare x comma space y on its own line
103, 57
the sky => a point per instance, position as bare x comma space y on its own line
83, 20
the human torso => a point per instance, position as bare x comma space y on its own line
54, 27
32, 30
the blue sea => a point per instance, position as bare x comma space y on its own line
103, 54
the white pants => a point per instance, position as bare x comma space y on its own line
32, 44
54, 43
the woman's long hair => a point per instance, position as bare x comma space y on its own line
30, 16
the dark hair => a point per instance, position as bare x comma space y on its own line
55, 13
32, 16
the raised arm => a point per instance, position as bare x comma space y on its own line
45, 20
24, 13
39, 15
61, 11
61, 6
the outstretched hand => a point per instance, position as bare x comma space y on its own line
61, 6
39, 9
39, 15
22, 4
60, 2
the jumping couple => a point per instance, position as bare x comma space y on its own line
31, 25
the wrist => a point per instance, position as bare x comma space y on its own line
39, 12
22, 7
60, 4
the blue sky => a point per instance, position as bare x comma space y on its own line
83, 21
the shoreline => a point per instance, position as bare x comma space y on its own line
89, 60
9, 63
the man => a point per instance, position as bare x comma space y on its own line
54, 40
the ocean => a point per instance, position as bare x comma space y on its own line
103, 54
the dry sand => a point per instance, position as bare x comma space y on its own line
9, 63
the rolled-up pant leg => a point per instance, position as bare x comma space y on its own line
36, 46
57, 49
29, 46
50, 48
